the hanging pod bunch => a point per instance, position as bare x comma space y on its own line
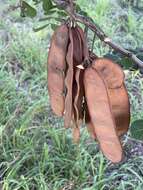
86, 89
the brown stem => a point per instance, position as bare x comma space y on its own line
71, 6
101, 35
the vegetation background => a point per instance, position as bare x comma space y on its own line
36, 153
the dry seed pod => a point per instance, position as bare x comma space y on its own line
113, 76
101, 115
111, 72
80, 56
78, 98
84, 111
88, 122
78, 76
85, 48
68, 112
120, 108
78, 90
77, 103
74, 56
77, 46
56, 68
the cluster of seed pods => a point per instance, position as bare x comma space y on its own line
86, 89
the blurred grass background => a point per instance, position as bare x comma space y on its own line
36, 153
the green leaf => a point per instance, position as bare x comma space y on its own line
54, 26
27, 10
50, 18
113, 57
40, 28
62, 13
36, 1
126, 63
47, 6
136, 129
51, 11
84, 13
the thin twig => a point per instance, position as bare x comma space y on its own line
93, 41
101, 35
86, 31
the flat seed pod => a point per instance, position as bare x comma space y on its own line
118, 95
77, 46
78, 99
88, 122
77, 104
68, 112
56, 69
111, 72
78, 90
101, 115
120, 108
85, 48
78, 78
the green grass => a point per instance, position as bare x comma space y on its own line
36, 153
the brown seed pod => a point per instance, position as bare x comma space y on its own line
120, 108
113, 76
80, 56
112, 73
78, 98
101, 115
88, 122
77, 46
78, 76
68, 112
73, 100
78, 90
56, 69
84, 41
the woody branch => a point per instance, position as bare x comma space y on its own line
67, 5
